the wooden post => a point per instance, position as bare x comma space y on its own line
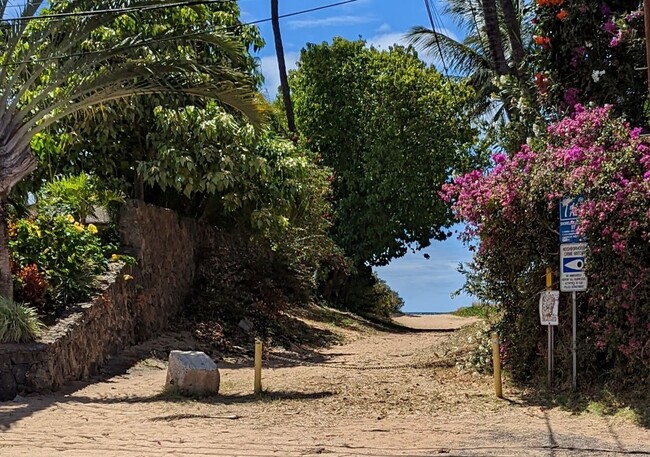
258, 366
496, 363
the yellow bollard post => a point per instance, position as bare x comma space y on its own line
496, 363
258, 366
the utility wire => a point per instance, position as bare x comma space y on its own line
154, 41
435, 34
430, 9
477, 29
164, 6
115, 10
311, 10
99, 51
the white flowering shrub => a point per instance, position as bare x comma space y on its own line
479, 357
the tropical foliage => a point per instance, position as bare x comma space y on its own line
56, 66
56, 256
491, 57
512, 208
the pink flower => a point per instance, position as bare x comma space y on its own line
610, 27
499, 158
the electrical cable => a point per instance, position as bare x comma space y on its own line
115, 10
430, 9
153, 41
164, 6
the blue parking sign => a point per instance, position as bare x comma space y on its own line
569, 219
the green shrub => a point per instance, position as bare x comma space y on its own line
55, 256
68, 254
477, 309
479, 339
75, 195
360, 290
18, 323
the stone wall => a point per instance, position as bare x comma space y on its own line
132, 305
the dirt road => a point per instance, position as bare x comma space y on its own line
312, 410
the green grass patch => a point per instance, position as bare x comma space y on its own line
18, 323
476, 310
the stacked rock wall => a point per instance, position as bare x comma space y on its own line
134, 303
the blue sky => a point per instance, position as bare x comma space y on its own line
424, 284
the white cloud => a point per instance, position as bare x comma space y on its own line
414, 271
384, 41
331, 21
269, 68
384, 28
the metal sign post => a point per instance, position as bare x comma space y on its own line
549, 329
572, 264
549, 368
548, 314
573, 342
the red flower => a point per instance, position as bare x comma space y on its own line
561, 16
542, 41
542, 83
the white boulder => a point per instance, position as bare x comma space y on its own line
192, 373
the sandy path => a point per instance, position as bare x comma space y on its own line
311, 411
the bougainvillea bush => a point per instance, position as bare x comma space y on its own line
512, 214
591, 51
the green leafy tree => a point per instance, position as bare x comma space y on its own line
51, 69
392, 130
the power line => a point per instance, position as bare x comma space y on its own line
430, 11
154, 41
429, 7
477, 29
99, 51
311, 10
115, 10
163, 6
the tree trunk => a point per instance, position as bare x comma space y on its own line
6, 280
138, 192
514, 32
15, 164
282, 67
493, 33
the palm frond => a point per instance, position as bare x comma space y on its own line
134, 78
52, 68
466, 14
459, 57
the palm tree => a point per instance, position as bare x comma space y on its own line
51, 67
282, 67
493, 46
